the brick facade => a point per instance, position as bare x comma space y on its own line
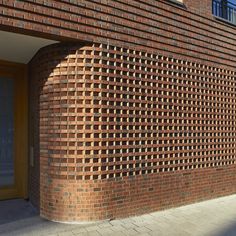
190, 30
134, 111
124, 131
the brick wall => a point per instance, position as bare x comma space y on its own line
157, 25
125, 131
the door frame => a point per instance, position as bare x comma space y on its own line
18, 72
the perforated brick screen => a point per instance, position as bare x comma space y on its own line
118, 112
124, 132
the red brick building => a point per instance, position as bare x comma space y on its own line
116, 108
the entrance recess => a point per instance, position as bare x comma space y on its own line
13, 131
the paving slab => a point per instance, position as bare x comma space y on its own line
210, 218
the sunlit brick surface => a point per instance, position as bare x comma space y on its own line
116, 113
147, 113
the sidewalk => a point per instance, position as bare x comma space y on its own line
212, 218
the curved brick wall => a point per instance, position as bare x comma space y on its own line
125, 132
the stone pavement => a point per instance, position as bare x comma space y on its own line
212, 218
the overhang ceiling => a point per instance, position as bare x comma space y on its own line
20, 48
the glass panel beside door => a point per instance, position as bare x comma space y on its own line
7, 174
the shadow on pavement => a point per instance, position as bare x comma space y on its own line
19, 217
13, 210
228, 230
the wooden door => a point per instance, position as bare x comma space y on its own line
13, 131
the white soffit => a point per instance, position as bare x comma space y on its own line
20, 48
